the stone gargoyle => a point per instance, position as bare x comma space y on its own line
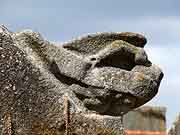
104, 73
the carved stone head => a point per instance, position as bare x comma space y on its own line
106, 73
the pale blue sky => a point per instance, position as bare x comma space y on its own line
62, 20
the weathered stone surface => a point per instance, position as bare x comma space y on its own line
92, 43
105, 73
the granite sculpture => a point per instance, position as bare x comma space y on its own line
102, 73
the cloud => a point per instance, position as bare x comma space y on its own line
66, 19
107, 9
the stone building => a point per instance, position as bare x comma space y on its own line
146, 121
175, 130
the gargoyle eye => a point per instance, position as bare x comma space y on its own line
93, 59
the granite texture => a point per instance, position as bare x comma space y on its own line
104, 73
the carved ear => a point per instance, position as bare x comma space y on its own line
90, 44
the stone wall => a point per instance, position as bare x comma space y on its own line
146, 119
142, 121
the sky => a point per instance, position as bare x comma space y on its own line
63, 20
